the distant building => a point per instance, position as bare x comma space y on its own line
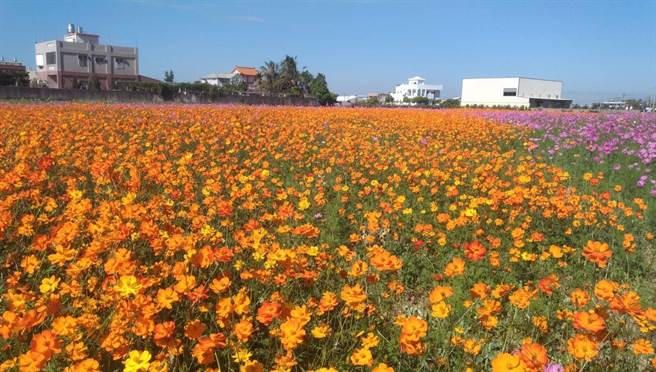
79, 60
416, 87
239, 74
12, 66
247, 75
219, 79
513, 92
13, 73
349, 100
614, 105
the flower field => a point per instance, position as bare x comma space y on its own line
154, 238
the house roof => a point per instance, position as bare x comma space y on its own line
416, 78
147, 79
248, 71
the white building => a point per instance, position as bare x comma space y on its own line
514, 92
349, 100
219, 79
416, 87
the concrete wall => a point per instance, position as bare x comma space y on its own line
489, 92
46, 94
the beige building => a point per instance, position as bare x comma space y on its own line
80, 60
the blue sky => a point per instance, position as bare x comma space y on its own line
599, 49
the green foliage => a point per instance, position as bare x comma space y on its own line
450, 103
19, 79
285, 78
169, 76
319, 89
268, 77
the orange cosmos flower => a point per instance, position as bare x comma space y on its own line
597, 253
31, 361
353, 295
605, 289
505, 362
548, 284
321, 331
413, 330
642, 347
582, 347
383, 260
46, 343
268, 311
243, 330
475, 251
579, 297
455, 267
382, 367
521, 298
627, 303
219, 285
241, 302
480, 290
362, 357
589, 321
534, 356
167, 297
370, 341
327, 303
291, 333
204, 349
439, 294
194, 329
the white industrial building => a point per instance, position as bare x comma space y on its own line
416, 87
513, 92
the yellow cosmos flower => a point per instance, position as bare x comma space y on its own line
440, 310
137, 361
49, 285
127, 285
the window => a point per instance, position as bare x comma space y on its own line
509, 92
50, 58
121, 63
82, 60
101, 60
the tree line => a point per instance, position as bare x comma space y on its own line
273, 78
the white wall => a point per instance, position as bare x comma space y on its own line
534, 88
489, 92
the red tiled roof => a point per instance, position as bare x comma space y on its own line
248, 71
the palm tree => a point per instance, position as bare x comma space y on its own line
268, 76
289, 74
